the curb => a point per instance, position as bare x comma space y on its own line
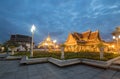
69, 62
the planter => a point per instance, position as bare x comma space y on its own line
62, 63
13, 57
114, 61
26, 60
96, 63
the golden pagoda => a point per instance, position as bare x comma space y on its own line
48, 42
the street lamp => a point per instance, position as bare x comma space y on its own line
32, 30
117, 39
54, 41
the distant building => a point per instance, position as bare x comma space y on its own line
23, 40
85, 41
48, 43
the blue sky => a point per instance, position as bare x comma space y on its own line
58, 17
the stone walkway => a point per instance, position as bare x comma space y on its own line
12, 70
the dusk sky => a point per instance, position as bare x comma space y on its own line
58, 17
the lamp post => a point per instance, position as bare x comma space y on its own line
32, 30
117, 42
54, 41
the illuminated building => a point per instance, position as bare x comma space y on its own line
85, 41
48, 43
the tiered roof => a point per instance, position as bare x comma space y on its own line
87, 36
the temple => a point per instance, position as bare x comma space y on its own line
85, 41
47, 43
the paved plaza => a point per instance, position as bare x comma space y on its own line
12, 70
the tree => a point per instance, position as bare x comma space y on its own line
10, 44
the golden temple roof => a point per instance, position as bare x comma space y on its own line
86, 36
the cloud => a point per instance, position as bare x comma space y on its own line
102, 8
116, 12
114, 6
58, 17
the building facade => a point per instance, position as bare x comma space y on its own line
24, 41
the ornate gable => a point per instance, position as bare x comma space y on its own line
71, 40
78, 35
94, 36
85, 35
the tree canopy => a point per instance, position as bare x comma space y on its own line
10, 44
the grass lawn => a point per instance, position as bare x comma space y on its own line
69, 55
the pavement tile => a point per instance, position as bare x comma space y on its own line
12, 70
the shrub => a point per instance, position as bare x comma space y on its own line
22, 54
46, 54
89, 55
69, 55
